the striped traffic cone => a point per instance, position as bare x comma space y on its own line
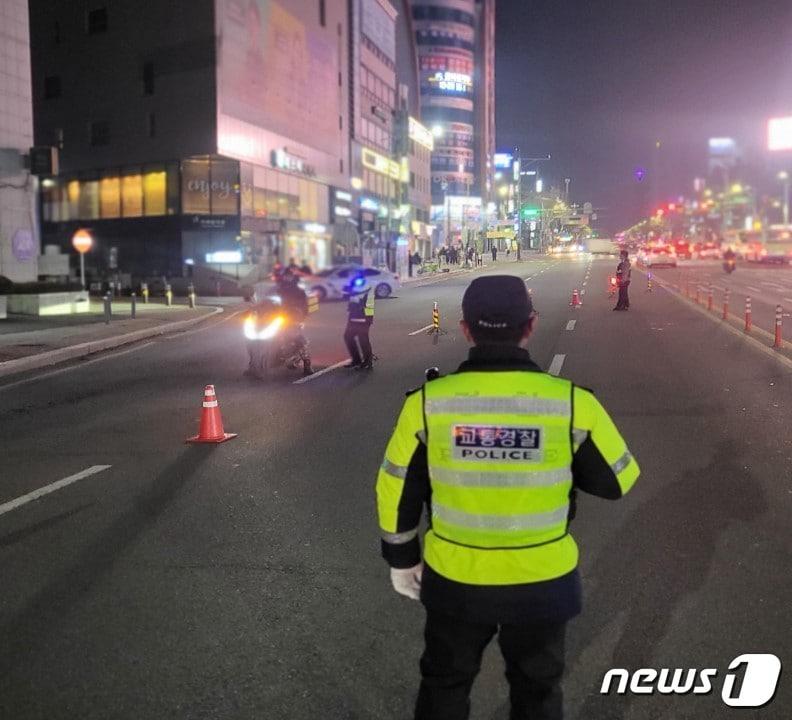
211, 429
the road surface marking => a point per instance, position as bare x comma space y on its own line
571, 324
60, 371
204, 326
773, 285
52, 487
528, 278
582, 292
319, 373
423, 329
753, 289
557, 364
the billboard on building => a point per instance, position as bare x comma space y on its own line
779, 133
277, 72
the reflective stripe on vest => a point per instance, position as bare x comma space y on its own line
369, 309
500, 457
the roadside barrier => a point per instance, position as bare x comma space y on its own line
191, 296
108, 308
709, 298
698, 294
145, 292
168, 295
648, 282
133, 306
726, 304
211, 427
779, 314
748, 321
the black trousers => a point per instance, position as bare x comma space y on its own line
356, 337
624, 297
534, 656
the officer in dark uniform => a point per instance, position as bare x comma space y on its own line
623, 272
360, 317
496, 451
295, 302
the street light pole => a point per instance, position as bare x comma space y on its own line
783, 176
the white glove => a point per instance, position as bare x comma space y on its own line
407, 581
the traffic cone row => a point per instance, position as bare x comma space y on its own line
211, 429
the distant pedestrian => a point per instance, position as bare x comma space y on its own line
494, 253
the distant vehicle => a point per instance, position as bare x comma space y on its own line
707, 251
602, 246
566, 248
682, 248
657, 256
329, 284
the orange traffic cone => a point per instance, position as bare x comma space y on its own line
211, 430
575, 302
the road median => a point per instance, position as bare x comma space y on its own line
47, 358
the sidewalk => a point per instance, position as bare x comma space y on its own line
27, 343
452, 270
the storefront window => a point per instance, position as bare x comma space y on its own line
174, 186
73, 199
88, 206
246, 190
110, 197
154, 192
132, 195
260, 208
224, 176
195, 187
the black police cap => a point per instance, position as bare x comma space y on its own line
497, 302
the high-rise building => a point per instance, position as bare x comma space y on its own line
195, 132
19, 245
456, 55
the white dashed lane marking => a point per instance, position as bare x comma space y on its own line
51, 488
571, 324
557, 364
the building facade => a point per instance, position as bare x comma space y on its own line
455, 41
19, 243
195, 133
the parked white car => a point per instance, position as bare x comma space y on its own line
329, 284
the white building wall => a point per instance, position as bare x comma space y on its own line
19, 243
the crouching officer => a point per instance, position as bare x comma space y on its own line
496, 451
360, 317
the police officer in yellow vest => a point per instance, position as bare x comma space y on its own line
360, 317
496, 451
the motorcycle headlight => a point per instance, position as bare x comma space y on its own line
271, 330
266, 333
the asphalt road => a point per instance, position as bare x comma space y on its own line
244, 581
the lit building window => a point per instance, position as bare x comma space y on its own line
132, 195
110, 197
154, 192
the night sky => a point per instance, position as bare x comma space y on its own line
596, 82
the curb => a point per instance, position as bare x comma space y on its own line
730, 326
53, 357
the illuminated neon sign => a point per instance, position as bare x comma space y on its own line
420, 134
380, 164
452, 81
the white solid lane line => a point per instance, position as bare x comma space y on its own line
571, 324
319, 373
787, 300
60, 371
423, 329
557, 364
52, 487
753, 289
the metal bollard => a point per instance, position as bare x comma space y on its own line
709, 298
133, 307
748, 321
648, 282
779, 314
168, 295
217, 288
191, 296
108, 308
145, 292
698, 294
726, 305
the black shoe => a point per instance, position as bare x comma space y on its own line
352, 364
366, 366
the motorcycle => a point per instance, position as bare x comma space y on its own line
273, 339
729, 265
